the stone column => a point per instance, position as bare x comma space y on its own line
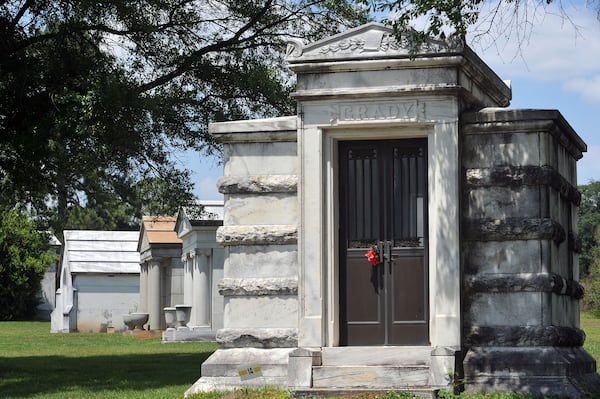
202, 296
188, 281
143, 287
154, 294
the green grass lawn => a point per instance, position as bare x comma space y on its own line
591, 326
36, 364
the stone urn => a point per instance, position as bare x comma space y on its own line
135, 321
170, 317
183, 313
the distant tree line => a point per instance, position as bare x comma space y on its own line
589, 233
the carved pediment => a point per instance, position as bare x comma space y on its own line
372, 40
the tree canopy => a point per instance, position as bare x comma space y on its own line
96, 96
589, 226
24, 256
439, 18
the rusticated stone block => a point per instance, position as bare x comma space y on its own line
525, 282
258, 184
257, 235
514, 176
258, 286
257, 338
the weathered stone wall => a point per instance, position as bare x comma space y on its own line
519, 251
259, 233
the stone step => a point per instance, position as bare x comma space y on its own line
229, 362
211, 384
370, 377
421, 392
376, 356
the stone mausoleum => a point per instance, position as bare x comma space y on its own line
467, 209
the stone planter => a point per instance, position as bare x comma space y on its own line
183, 313
170, 317
135, 321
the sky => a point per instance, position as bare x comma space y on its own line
554, 63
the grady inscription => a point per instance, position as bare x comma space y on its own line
405, 110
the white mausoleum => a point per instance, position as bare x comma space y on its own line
467, 209
98, 281
202, 260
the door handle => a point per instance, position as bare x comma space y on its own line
381, 250
389, 260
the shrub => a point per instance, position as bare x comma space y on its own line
24, 256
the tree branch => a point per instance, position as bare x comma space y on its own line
22, 10
188, 63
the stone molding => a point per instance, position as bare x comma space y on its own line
493, 120
369, 40
281, 129
514, 176
257, 235
257, 337
257, 184
524, 336
513, 229
525, 282
256, 137
258, 286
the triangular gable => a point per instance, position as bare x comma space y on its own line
143, 243
373, 40
182, 225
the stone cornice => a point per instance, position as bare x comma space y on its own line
257, 184
256, 131
513, 229
257, 235
496, 120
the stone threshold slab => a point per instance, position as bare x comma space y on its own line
313, 393
376, 356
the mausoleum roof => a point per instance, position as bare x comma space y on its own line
93, 251
160, 230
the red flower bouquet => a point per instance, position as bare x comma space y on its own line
373, 256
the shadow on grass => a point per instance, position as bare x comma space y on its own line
28, 376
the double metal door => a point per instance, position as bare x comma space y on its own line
383, 242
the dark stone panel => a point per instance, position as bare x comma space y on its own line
513, 229
541, 371
523, 336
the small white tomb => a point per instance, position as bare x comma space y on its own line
99, 281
